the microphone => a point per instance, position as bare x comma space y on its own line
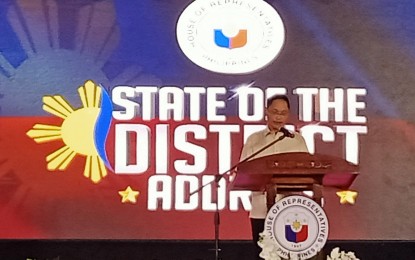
286, 132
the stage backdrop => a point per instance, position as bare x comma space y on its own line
113, 111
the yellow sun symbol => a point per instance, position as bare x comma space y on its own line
76, 131
296, 225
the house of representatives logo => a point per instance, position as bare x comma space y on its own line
231, 37
298, 225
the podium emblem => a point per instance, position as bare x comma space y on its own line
298, 226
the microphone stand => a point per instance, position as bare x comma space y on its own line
218, 177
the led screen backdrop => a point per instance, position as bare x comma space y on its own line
108, 118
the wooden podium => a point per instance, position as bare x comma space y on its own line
289, 173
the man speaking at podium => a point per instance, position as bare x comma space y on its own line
277, 113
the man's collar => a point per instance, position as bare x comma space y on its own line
267, 131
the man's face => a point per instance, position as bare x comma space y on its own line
277, 114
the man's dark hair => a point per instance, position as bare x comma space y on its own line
275, 97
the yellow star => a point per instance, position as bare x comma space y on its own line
129, 195
347, 196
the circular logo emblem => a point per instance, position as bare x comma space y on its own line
298, 225
231, 37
